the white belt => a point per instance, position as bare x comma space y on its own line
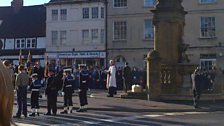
83, 81
68, 86
35, 90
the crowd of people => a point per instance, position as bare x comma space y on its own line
202, 81
52, 80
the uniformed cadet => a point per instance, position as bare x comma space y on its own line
35, 93
83, 87
68, 91
51, 92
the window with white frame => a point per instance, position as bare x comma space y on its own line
95, 12
120, 30
207, 61
85, 13
54, 35
149, 3
207, 1
148, 29
102, 35
63, 37
120, 3
20, 44
54, 14
34, 43
63, 14
102, 12
208, 27
95, 34
85, 35
31, 43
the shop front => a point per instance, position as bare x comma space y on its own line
74, 58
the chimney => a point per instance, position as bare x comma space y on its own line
17, 5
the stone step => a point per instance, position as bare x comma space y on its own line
205, 97
134, 95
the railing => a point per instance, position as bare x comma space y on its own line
168, 79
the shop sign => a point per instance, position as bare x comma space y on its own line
77, 55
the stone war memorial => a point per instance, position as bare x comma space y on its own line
168, 70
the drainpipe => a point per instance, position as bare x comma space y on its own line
106, 28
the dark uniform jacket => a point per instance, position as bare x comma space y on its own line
52, 85
40, 72
35, 85
198, 83
68, 84
84, 78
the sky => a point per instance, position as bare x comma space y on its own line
26, 2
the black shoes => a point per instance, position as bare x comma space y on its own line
81, 110
47, 113
64, 112
32, 114
110, 95
16, 116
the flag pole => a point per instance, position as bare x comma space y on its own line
20, 57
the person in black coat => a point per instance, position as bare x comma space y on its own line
83, 87
54, 84
197, 78
39, 70
127, 77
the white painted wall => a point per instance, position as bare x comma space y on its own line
74, 26
41, 42
9, 44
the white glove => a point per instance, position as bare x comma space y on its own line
62, 93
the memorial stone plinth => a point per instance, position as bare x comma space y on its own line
169, 21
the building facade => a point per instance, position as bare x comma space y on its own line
130, 31
76, 32
204, 32
131, 35
22, 28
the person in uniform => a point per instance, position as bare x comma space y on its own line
68, 91
21, 83
52, 91
35, 93
111, 79
83, 87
